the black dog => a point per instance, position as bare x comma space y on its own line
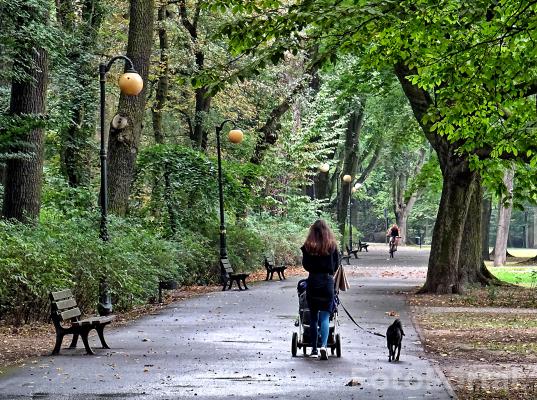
394, 336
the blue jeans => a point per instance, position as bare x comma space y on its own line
319, 318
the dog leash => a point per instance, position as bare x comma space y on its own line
356, 323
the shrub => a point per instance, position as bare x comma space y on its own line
60, 254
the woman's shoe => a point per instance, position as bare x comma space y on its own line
324, 353
314, 354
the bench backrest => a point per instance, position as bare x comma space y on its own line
347, 247
225, 267
63, 306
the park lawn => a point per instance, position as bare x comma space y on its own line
480, 352
520, 252
523, 276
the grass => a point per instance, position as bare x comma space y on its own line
520, 252
524, 276
463, 321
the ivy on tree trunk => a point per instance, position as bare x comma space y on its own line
23, 174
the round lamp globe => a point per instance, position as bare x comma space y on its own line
347, 178
235, 136
131, 83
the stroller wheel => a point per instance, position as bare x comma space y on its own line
294, 344
338, 345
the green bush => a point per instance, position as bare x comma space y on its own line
61, 254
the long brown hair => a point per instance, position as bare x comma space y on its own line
320, 240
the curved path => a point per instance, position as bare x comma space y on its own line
237, 345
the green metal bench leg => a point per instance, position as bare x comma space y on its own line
84, 335
244, 283
58, 345
74, 341
100, 332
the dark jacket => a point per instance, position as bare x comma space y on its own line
320, 290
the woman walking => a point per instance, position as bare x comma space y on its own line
320, 259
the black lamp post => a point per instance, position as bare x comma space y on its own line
234, 136
131, 84
348, 179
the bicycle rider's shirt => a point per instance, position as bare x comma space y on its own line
394, 232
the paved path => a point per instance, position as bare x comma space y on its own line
237, 345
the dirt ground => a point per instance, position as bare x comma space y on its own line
484, 341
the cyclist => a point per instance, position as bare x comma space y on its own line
393, 233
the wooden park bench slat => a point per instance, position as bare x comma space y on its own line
66, 304
229, 276
93, 321
64, 294
69, 314
64, 310
271, 267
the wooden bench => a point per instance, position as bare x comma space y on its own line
354, 252
271, 267
64, 310
229, 276
362, 246
346, 257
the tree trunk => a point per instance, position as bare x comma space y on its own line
472, 269
322, 185
534, 229
81, 97
200, 132
504, 220
123, 143
443, 270
22, 192
459, 184
403, 207
486, 211
163, 79
352, 138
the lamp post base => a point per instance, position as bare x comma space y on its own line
104, 307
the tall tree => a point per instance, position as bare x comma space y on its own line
460, 109
486, 211
403, 200
350, 161
22, 195
124, 142
505, 209
198, 132
161, 95
80, 22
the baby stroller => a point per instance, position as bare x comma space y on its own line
304, 338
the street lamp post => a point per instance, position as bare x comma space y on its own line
131, 84
348, 179
354, 189
234, 136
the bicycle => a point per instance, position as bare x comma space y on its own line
393, 244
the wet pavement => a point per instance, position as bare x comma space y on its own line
238, 345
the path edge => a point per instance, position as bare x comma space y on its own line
438, 371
